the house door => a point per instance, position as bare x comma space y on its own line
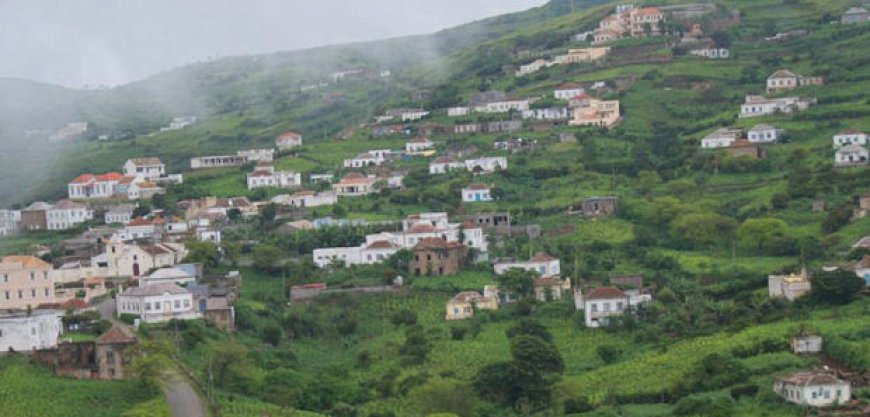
136, 269
167, 306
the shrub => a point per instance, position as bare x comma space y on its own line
404, 317
744, 390
717, 405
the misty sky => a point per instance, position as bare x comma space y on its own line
111, 42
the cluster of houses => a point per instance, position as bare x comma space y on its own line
740, 143
379, 247
141, 180
851, 148
573, 56
628, 21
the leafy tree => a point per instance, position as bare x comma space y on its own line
835, 287
708, 405
529, 327
205, 253
150, 361
721, 38
608, 353
404, 317
272, 334
704, 229
416, 346
265, 258
231, 367
267, 216
534, 355
758, 232
518, 282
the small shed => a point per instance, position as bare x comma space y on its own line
805, 343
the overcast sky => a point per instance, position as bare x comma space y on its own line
111, 42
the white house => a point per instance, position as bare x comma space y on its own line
148, 168
476, 193
265, 176
368, 253
549, 113
533, 67
544, 265
307, 199
503, 106
67, 214
711, 53
24, 331
418, 145
755, 106
288, 140
157, 303
168, 275
721, 138
605, 302
806, 343
355, 185
763, 133
444, 164
813, 388
119, 214
10, 222
179, 123
851, 155
258, 155
850, 137
789, 286
410, 116
364, 160
458, 111
567, 91
486, 165
87, 186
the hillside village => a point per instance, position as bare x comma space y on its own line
674, 196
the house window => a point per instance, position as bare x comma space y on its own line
46, 292
5, 278
594, 308
177, 304
186, 303
45, 274
32, 276
20, 294
147, 306
7, 295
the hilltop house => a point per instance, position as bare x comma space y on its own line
541, 263
220, 161
444, 164
854, 16
576, 56
462, 305
628, 21
157, 303
850, 137
755, 106
602, 303
568, 90
806, 343
595, 112
789, 286
148, 168
179, 123
548, 113
258, 155
851, 155
410, 116
26, 283
366, 159
596, 206
813, 388
27, 331
180, 274
476, 192
436, 256
131, 260
418, 145
503, 106
467, 128
721, 138
365, 254
288, 140
763, 133
217, 208
64, 215
533, 67
354, 185
265, 176
786, 80
486, 165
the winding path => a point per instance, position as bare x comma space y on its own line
182, 397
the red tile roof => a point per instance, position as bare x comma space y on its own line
477, 186
422, 228
467, 296
542, 257
381, 244
436, 243
808, 378
82, 179
604, 293
109, 176
116, 334
569, 86
289, 136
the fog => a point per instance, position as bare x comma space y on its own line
110, 42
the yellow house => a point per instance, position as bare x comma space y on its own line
462, 305
575, 56
596, 112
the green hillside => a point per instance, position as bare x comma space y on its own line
703, 227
